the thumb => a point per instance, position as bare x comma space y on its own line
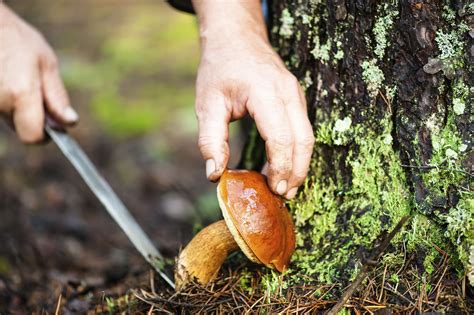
213, 119
55, 96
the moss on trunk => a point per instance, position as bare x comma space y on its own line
389, 91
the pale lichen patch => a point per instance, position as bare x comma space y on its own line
373, 76
287, 22
321, 51
382, 27
458, 106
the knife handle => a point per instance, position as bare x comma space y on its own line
53, 123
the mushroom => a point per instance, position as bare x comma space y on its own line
255, 220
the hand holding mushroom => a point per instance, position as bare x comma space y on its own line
255, 220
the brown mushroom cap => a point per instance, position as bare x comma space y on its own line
257, 218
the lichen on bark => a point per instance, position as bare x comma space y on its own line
393, 135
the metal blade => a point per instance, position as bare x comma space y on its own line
109, 199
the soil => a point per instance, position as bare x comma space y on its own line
56, 238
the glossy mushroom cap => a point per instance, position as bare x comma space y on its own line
257, 218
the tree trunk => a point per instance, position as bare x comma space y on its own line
389, 86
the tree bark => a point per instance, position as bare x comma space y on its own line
389, 86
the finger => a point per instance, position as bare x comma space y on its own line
264, 170
274, 127
304, 141
213, 119
28, 117
55, 95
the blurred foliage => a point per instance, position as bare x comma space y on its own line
4, 265
144, 74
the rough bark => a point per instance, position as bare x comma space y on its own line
389, 86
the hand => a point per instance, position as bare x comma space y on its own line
29, 79
239, 74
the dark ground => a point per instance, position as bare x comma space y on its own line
138, 59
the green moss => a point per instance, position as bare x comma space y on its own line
394, 278
344, 311
115, 305
273, 284
378, 183
377, 191
245, 281
422, 237
337, 133
447, 177
357, 187
470, 267
446, 162
428, 262
393, 259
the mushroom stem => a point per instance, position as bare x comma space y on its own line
202, 258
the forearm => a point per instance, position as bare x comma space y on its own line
6, 14
4, 11
223, 22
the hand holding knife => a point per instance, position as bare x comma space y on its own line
107, 196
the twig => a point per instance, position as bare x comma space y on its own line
402, 296
152, 282
437, 286
58, 306
386, 102
421, 167
368, 266
157, 298
383, 283
429, 167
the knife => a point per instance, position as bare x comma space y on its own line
114, 206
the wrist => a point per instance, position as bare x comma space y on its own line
5, 13
224, 22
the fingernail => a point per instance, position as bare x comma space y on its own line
265, 169
210, 167
70, 114
291, 193
281, 187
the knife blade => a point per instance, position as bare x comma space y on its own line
112, 203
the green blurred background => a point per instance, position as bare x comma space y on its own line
130, 65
